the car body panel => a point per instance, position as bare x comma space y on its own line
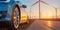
8, 7
24, 18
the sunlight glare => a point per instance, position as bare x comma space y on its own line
49, 23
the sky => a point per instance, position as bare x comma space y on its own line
51, 2
46, 11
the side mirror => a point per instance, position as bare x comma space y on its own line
24, 6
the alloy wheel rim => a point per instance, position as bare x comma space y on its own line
16, 18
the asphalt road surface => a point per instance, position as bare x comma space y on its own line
44, 25
22, 26
41, 25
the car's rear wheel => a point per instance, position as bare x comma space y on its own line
15, 18
27, 21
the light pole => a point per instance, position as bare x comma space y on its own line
30, 12
39, 10
55, 10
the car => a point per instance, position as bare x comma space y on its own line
10, 13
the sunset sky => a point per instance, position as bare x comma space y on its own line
46, 11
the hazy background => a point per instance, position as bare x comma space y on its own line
46, 11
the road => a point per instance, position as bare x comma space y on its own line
44, 25
41, 25
22, 26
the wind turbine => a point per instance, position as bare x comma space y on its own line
46, 4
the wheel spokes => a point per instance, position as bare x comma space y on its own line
16, 18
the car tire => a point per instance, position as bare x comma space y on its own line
15, 22
28, 20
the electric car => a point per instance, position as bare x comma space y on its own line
10, 13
